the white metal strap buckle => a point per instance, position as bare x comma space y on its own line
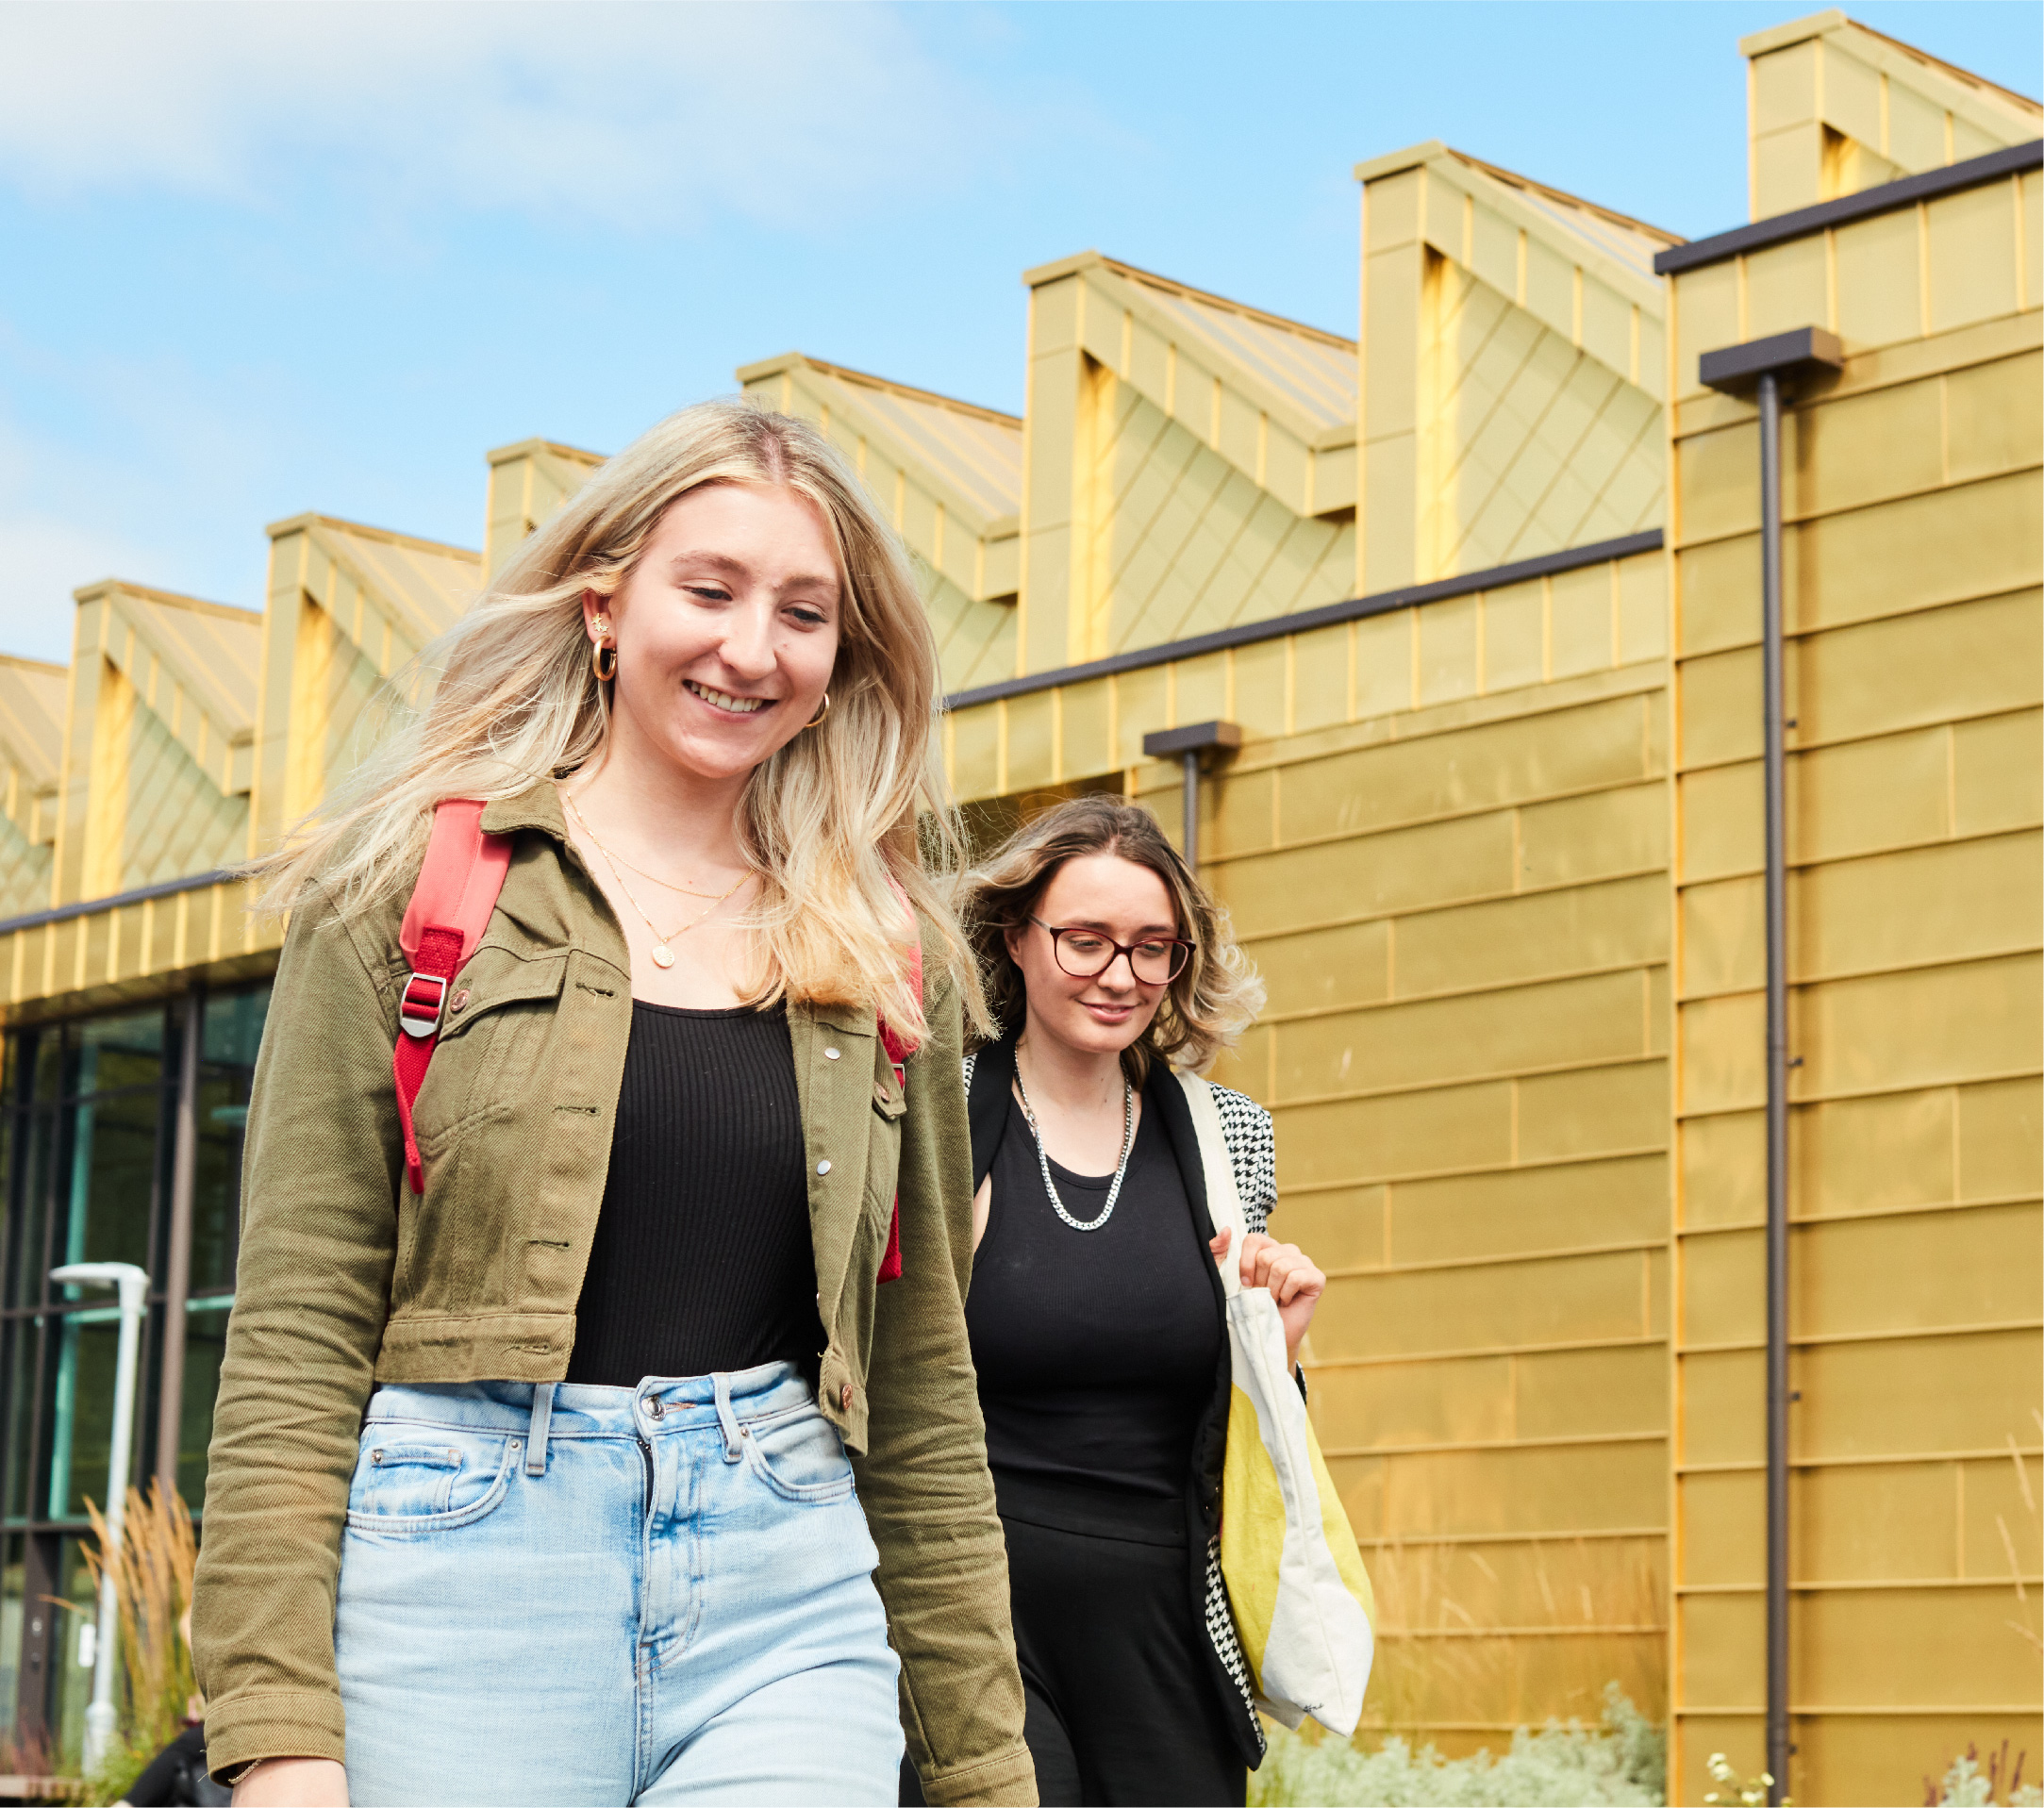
421, 1016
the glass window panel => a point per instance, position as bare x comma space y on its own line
216, 1179
205, 1343
113, 1160
233, 1027
73, 1690
10, 1633
81, 1409
232, 1032
49, 1047
120, 1052
30, 1254
23, 1338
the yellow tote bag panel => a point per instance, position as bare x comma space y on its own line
1296, 1584
1251, 1531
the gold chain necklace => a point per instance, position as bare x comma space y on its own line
662, 954
617, 860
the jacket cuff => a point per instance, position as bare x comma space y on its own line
1010, 1778
252, 1724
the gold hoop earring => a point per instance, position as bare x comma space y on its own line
596, 661
821, 714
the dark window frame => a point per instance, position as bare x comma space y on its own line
40, 1145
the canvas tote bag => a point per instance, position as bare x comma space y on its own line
1295, 1579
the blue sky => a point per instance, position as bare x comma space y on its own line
257, 260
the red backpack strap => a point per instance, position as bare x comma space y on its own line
457, 889
899, 1049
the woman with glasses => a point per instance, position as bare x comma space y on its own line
1096, 1310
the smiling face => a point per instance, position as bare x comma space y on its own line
726, 630
1117, 899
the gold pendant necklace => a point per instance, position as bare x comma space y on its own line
663, 956
617, 859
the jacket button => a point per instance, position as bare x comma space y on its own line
460, 1001
822, 1168
880, 1094
830, 1055
844, 1397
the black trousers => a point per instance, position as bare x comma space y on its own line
1121, 1705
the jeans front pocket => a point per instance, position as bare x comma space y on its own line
799, 1455
427, 1478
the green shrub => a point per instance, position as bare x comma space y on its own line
1622, 1762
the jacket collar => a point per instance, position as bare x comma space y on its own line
536, 807
539, 809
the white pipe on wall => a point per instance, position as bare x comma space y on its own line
133, 1285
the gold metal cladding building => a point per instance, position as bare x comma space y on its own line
1463, 628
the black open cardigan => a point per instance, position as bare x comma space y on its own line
1246, 1129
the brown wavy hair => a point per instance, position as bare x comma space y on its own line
1204, 1009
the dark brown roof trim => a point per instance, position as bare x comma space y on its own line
120, 901
1277, 626
1905, 192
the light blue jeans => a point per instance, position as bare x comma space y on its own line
610, 1595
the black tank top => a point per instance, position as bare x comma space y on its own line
1096, 1350
701, 1260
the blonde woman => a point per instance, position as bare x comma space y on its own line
571, 1477
1096, 1307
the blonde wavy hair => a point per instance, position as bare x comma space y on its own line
1204, 1009
830, 823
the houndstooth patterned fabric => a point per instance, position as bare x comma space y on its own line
1245, 1127
1220, 1629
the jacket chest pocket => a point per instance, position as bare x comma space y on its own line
500, 1012
884, 1147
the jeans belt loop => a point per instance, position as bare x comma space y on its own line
732, 1450
542, 1411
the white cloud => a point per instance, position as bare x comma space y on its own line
364, 131
633, 114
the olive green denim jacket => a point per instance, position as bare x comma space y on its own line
346, 1279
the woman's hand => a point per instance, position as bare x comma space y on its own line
292, 1782
1294, 1283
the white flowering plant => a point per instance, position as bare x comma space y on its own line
1622, 1762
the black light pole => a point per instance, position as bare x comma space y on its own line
1758, 368
1188, 743
1775, 763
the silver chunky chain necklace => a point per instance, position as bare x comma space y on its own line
1043, 1161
